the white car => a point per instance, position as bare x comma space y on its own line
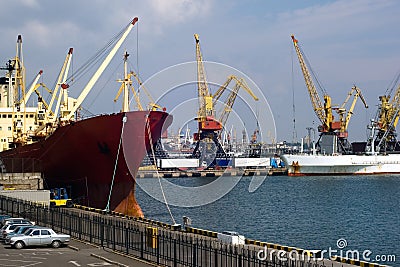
8, 228
39, 237
17, 220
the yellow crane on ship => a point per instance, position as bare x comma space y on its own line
337, 129
127, 83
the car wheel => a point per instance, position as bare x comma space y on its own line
56, 244
19, 245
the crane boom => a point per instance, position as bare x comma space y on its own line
19, 92
344, 121
153, 106
41, 98
240, 83
100, 70
63, 85
205, 99
32, 88
323, 112
59, 82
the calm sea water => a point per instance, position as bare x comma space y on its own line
306, 212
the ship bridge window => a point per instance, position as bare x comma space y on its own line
30, 115
9, 128
1, 128
4, 116
9, 116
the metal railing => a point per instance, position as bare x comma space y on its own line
145, 241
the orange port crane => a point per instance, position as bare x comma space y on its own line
208, 145
328, 125
205, 116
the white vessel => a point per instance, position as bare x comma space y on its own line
303, 164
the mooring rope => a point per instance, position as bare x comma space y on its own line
158, 175
124, 119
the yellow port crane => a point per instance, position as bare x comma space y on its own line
385, 123
208, 145
324, 112
209, 128
345, 118
389, 111
206, 116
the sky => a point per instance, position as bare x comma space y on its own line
347, 43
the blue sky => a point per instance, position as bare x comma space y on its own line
347, 42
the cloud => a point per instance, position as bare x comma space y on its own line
176, 11
30, 3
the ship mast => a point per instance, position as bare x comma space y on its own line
125, 102
18, 96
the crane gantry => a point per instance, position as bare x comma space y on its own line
328, 127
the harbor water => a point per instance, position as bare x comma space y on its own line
337, 213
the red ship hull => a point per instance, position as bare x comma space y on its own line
96, 158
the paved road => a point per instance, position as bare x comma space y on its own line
76, 254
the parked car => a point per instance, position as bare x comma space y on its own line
17, 220
39, 237
19, 230
7, 228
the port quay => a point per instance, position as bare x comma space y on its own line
156, 243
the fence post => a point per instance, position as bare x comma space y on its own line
127, 240
158, 248
215, 257
52, 220
113, 236
90, 229
175, 261
102, 232
80, 226
141, 245
194, 255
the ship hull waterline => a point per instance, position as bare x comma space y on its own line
82, 156
310, 165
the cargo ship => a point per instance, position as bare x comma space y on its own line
371, 157
95, 158
309, 165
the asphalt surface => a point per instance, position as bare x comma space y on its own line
74, 254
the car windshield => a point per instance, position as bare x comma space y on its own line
17, 229
24, 230
29, 231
